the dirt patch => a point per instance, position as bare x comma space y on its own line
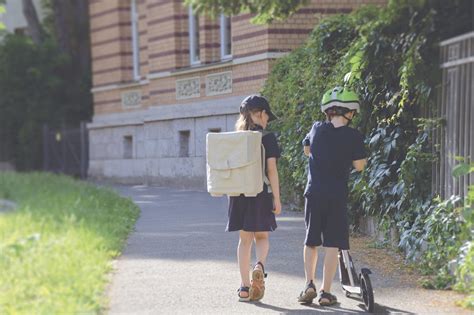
388, 263
390, 270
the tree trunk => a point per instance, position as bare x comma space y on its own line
62, 24
84, 49
71, 30
34, 27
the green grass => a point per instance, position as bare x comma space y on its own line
56, 248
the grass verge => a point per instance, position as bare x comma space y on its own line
56, 247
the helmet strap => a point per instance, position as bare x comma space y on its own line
330, 117
349, 119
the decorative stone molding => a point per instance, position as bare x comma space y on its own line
188, 88
219, 83
228, 105
131, 99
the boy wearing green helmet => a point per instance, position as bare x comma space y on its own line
333, 148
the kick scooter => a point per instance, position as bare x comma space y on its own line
354, 284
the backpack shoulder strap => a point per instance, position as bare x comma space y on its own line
265, 177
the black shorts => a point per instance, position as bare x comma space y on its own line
326, 221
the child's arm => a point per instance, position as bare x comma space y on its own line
359, 155
359, 165
272, 173
307, 150
306, 142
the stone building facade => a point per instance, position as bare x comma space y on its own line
164, 77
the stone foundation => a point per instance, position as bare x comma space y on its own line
165, 145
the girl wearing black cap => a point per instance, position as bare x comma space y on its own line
254, 217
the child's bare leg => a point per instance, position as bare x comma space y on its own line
330, 267
257, 290
310, 261
244, 251
262, 245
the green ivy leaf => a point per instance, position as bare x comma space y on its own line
462, 169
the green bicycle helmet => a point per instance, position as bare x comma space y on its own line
340, 97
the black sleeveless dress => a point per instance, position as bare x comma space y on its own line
254, 214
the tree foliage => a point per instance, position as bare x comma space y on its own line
2, 11
42, 83
266, 10
392, 53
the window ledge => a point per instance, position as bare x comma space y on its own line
203, 67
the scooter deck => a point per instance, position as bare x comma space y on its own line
351, 290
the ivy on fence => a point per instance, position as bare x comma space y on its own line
392, 53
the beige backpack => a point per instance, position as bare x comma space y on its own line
235, 163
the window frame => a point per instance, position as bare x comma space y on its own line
184, 143
193, 40
135, 40
128, 149
224, 40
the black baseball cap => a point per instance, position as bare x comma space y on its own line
257, 102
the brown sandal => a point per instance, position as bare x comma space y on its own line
257, 287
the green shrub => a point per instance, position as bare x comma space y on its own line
465, 273
465, 261
392, 54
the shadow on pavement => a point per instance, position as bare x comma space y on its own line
190, 226
336, 309
382, 309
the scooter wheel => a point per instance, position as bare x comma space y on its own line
367, 292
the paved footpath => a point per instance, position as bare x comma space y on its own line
180, 261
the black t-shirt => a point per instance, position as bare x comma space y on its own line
332, 152
270, 143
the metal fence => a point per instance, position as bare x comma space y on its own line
66, 150
456, 108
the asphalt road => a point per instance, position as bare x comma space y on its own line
181, 261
